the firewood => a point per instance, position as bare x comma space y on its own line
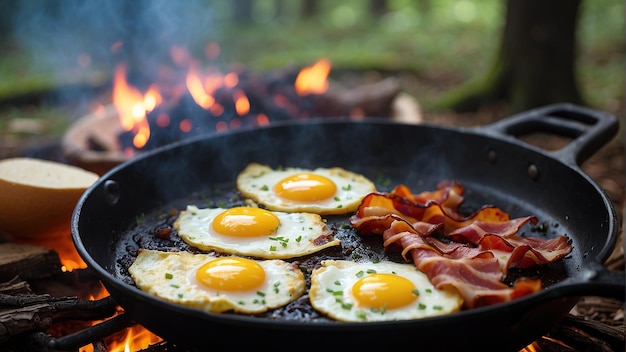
27, 261
589, 335
371, 100
24, 313
15, 286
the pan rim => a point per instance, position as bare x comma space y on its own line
109, 279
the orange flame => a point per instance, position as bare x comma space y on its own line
533, 347
69, 257
137, 338
242, 104
202, 90
197, 89
132, 106
313, 79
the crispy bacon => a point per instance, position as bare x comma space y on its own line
471, 253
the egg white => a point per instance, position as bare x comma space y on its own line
299, 234
257, 181
331, 286
171, 276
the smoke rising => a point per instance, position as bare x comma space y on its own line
59, 34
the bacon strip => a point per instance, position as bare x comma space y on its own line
471, 253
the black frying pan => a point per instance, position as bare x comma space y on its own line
494, 166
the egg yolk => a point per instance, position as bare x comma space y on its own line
386, 291
231, 274
305, 187
246, 222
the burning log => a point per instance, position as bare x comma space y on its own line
27, 269
374, 99
207, 101
24, 313
587, 335
15, 286
40, 341
28, 262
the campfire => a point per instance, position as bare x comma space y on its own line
190, 100
51, 301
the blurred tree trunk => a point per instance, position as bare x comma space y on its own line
309, 8
378, 8
535, 63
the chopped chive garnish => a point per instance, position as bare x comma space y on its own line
276, 284
169, 276
282, 240
344, 305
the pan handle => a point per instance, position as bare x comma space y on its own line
589, 129
594, 280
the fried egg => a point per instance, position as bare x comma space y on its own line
323, 191
217, 284
254, 231
362, 292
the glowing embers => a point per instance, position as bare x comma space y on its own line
204, 100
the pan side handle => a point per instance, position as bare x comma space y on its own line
594, 280
589, 129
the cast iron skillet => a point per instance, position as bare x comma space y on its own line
494, 166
